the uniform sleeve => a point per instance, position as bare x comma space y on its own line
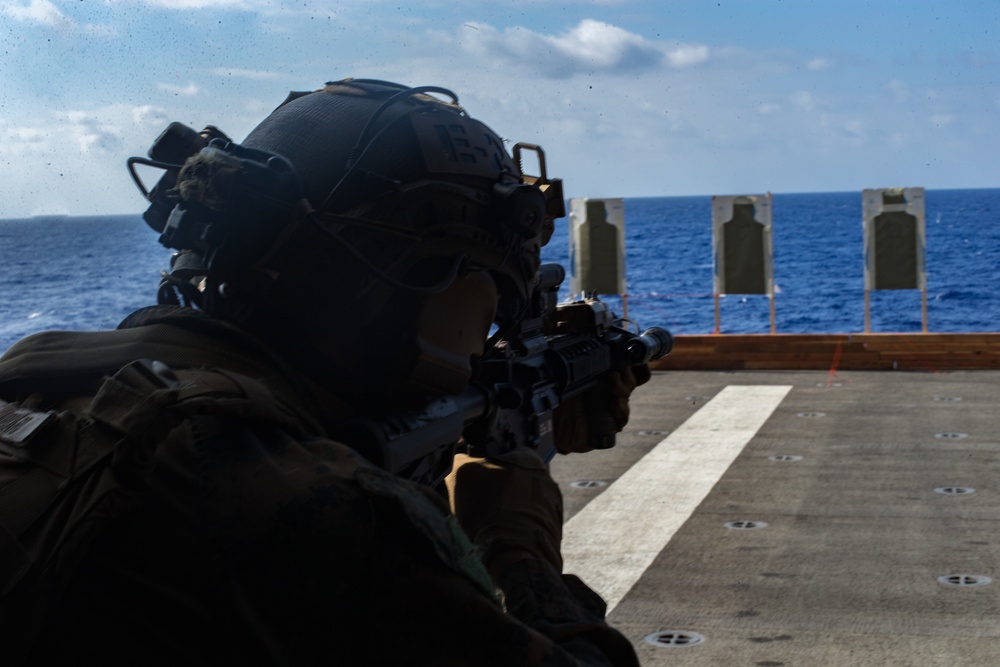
327, 558
564, 610
437, 601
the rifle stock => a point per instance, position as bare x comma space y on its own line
554, 353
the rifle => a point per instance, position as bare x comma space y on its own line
554, 353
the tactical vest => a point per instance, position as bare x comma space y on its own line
66, 474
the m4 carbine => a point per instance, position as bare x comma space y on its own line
556, 352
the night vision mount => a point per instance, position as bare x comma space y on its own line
211, 185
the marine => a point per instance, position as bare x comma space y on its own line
188, 497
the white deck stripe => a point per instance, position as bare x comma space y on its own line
611, 541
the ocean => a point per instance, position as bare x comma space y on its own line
88, 273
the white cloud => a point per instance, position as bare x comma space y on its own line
189, 90
898, 139
856, 130
46, 13
942, 119
91, 132
590, 46
22, 136
199, 4
100, 30
817, 64
899, 90
253, 74
603, 44
263, 7
803, 100
76, 160
37, 11
148, 114
688, 55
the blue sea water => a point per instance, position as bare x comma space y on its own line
88, 273
818, 267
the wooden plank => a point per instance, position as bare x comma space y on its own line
849, 351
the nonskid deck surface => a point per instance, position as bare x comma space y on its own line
797, 518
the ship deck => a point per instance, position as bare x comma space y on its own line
816, 515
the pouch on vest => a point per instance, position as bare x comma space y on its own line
65, 476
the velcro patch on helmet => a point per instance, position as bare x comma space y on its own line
454, 144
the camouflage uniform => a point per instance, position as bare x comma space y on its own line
261, 544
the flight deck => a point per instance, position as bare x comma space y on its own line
797, 517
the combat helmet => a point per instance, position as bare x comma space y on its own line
365, 214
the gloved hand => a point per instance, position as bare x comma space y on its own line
591, 420
509, 503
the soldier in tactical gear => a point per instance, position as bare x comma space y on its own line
353, 251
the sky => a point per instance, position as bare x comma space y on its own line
627, 98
